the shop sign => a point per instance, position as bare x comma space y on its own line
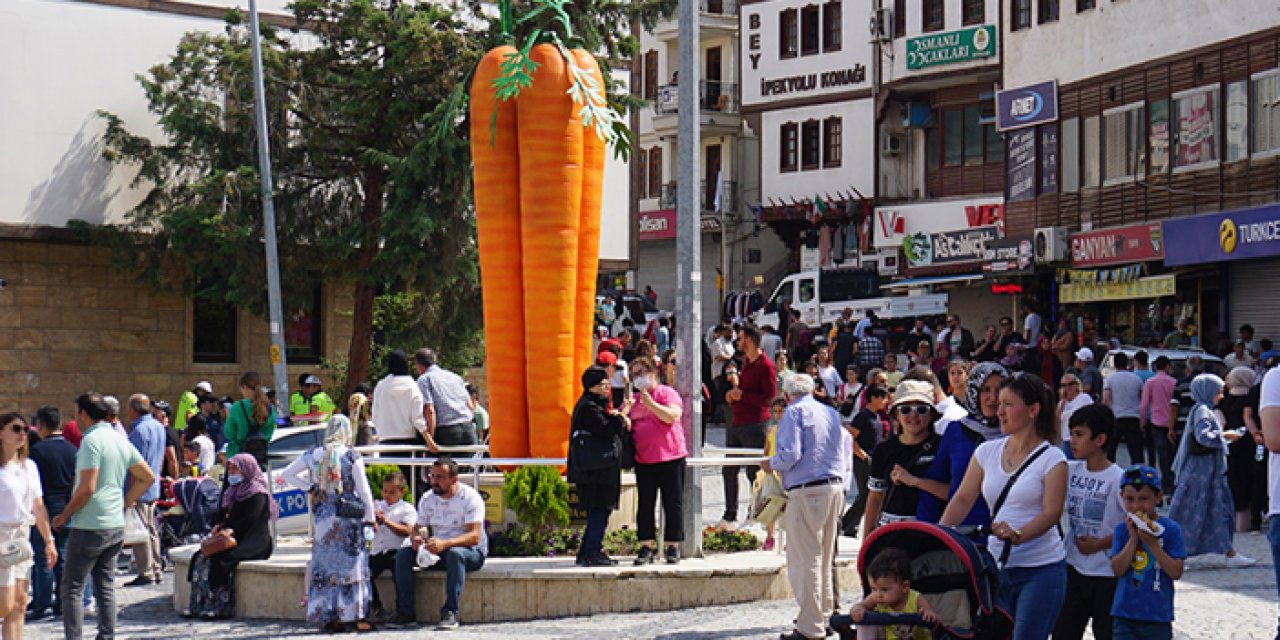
1102, 276
1026, 106
1048, 159
1136, 243
1021, 164
951, 247
951, 47
1141, 289
1235, 235
892, 225
1008, 256
661, 225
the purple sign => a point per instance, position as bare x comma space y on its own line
1234, 235
1026, 106
1020, 163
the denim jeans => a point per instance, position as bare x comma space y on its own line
1273, 536
45, 581
1033, 596
593, 535
93, 552
455, 562
1130, 629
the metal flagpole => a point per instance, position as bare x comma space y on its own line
688, 268
279, 365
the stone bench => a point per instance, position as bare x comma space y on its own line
509, 589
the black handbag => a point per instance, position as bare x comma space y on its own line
590, 453
627, 450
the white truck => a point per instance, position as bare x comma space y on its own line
821, 296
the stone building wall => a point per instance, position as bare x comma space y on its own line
70, 323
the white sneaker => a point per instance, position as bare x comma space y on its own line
1240, 560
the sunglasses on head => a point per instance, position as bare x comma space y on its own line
918, 409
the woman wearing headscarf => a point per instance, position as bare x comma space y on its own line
594, 428
1202, 503
942, 480
338, 593
1241, 455
246, 513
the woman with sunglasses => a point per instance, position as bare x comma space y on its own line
898, 463
21, 503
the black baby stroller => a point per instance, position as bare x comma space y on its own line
956, 576
197, 500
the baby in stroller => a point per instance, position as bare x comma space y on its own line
924, 582
891, 592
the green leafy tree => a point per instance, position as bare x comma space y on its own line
364, 192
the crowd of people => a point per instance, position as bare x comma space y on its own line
945, 428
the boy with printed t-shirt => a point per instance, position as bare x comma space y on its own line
1094, 508
1146, 558
395, 519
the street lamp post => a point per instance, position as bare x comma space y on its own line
689, 269
279, 364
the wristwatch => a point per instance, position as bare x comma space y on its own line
1017, 535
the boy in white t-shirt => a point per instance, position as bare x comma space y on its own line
1094, 508
395, 519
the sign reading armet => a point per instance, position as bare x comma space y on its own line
951, 47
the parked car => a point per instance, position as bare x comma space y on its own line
287, 443
1177, 360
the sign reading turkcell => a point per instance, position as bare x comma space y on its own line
1234, 235
950, 47
1026, 106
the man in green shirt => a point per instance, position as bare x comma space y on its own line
311, 404
188, 404
96, 514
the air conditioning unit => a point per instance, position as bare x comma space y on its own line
1051, 245
881, 26
891, 144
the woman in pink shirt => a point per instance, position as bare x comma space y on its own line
660, 460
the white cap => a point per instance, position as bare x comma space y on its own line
1085, 354
205, 386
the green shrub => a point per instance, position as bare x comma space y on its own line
538, 496
714, 539
377, 473
520, 541
621, 542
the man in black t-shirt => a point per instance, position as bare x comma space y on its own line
56, 460
867, 428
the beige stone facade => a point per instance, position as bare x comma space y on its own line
69, 323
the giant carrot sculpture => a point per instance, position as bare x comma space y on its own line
539, 126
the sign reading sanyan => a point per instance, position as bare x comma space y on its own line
893, 224
1136, 243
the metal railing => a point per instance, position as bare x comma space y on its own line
728, 197
715, 96
719, 7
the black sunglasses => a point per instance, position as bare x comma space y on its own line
18, 427
918, 409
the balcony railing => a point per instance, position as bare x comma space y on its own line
719, 7
727, 203
715, 97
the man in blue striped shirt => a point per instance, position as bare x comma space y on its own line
815, 458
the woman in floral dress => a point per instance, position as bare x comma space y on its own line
338, 590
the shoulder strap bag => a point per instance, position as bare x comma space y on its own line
1004, 494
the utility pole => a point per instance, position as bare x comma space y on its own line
689, 268
279, 365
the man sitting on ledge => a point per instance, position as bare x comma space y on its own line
454, 512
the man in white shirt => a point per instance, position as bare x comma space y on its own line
722, 350
454, 512
1032, 323
397, 405
1122, 391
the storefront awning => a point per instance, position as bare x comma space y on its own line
930, 280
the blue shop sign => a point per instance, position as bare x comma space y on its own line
1026, 106
1234, 235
